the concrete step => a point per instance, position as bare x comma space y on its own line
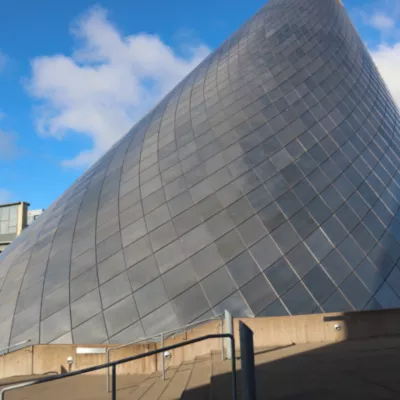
198, 387
159, 386
128, 383
13, 380
178, 383
140, 391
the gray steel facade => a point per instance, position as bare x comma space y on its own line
265, 183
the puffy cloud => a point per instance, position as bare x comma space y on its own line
5, 196
384, 46
380, 15
387, 59
106, 85
382, 22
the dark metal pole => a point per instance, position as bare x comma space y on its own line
114, 382
228, 329
248, 367
234, 384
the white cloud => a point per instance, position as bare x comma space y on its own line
387, 59
5, 196
384, 46
382, 16
106, 85
382, 22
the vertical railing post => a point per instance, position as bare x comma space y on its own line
247, 358
108, 371
221, 329
114, 382
162, 357
234, 384
229, 330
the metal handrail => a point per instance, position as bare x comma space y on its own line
114, 364
170, 332
163, 336
15, 345
184, 328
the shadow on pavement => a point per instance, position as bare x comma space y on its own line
364, 369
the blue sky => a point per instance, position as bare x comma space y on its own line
75, 75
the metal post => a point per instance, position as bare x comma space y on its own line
248, 367
108, 371
114, 382
228, 329
162, 357
221, 329
234, 384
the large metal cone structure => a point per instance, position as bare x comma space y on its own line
265, 183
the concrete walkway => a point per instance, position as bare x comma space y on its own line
349, 370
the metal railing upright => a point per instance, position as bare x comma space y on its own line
165, 335
114, 364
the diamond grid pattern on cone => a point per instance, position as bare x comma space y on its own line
265, 183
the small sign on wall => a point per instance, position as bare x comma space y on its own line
90, 350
